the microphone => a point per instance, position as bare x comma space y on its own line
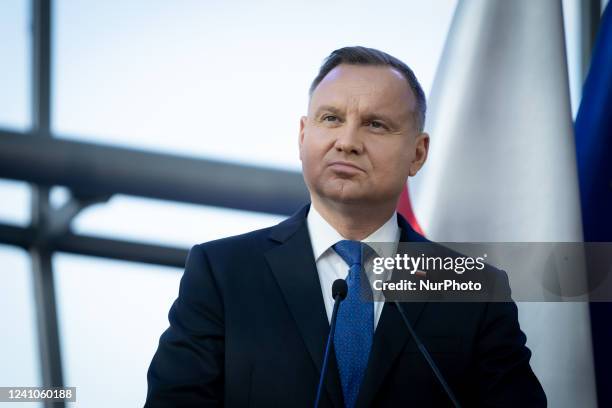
339, 291
427, 356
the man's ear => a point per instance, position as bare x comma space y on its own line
421, 150
303, 120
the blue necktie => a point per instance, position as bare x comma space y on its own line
354, 325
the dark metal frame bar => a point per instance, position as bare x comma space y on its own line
26, 238
590, 16
96, 171
42, 267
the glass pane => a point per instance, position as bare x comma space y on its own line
226, 80
164, 222
14, 202
111, 315
18, 343
15, 66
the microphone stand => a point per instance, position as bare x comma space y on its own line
339, 291
427, 356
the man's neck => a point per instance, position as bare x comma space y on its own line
352, 221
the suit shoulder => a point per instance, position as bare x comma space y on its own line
234, 243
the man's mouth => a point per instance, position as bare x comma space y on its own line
345, 167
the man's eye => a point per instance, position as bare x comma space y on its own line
377, 125
330, 118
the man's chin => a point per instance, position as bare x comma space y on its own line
347, 196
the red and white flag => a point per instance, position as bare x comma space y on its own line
502, 165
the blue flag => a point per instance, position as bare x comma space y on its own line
594, 139
594, 153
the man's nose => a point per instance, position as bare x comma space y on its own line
349, 140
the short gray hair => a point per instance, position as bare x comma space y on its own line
369, 56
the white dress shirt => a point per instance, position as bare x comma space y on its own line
330, 265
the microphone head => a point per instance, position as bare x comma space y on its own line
339, 288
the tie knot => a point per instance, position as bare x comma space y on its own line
349, 251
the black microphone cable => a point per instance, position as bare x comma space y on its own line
427, 356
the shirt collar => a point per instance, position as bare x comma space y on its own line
323, 236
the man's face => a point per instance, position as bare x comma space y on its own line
359, 142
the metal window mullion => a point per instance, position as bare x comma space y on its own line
42, 268
590, 17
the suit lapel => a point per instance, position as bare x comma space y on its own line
391, 335
293, 265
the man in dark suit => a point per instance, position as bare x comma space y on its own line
250, 323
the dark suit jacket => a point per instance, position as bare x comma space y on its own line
249, 328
